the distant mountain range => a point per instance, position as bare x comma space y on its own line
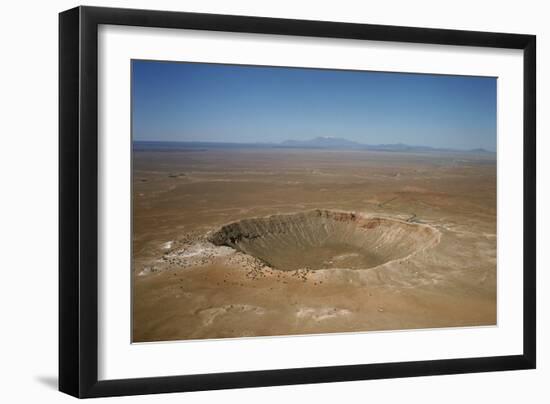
321, 142
345, 144
325, 143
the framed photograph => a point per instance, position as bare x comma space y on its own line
250, 201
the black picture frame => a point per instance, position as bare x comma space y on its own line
78, 201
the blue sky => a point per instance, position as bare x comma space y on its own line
229, 103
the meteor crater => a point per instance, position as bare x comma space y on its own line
325, 239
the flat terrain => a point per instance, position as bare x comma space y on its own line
186, 287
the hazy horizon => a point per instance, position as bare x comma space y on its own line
196, 102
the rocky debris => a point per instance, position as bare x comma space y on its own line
302, 273
189, 250
198, 253
148, 270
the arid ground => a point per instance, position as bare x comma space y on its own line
234, 242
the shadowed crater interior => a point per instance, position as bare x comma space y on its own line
322, 239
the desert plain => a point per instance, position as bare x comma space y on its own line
246, 242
